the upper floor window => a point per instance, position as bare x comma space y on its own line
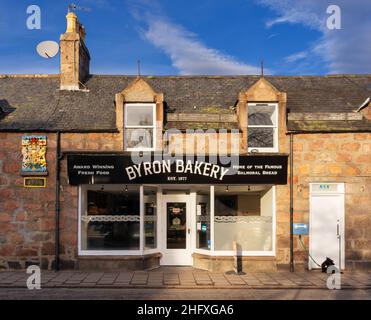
140, 123
262, 130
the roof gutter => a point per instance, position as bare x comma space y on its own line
61, 130
327, 131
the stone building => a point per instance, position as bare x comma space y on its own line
132, 172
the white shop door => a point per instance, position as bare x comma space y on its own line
326, 225
176, 230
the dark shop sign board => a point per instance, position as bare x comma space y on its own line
165, 169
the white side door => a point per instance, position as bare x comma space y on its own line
326, 237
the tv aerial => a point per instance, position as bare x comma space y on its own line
47, 49
74, 7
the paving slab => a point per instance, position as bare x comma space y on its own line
108, 278
93, 277
235, 280
171, 278
155, 279
139, 278
265, 279
219, 279
124, 278
203, 279
186, 277
76, 278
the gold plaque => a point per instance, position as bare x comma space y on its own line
32, 182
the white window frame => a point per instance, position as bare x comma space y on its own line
142, 251
158, 224
275, 128
83, 194
153, 127
209, 252
245, 253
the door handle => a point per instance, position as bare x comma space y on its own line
189, 230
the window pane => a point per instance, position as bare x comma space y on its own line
111, 220
139, 115
243, 216
150, 218
203, 221
176, 233
260, 137
139, 138
261, 115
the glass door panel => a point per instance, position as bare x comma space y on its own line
176, 233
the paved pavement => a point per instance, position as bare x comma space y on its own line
184, 278
199, 294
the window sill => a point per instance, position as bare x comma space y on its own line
261, 150
140, 150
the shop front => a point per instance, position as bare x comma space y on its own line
110, 172
177, 210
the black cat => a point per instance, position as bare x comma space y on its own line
325, 264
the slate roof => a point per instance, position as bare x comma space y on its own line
33, 103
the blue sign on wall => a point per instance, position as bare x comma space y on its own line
301, 228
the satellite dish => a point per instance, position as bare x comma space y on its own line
47, 49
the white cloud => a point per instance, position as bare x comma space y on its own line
189, 55
186, 51
296, 56
291, 11
345, 51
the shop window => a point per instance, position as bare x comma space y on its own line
243, 214
203, 227
150, 218
110, 219
140, 123
262, 131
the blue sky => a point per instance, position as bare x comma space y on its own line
195, 36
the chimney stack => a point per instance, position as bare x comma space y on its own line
75, 58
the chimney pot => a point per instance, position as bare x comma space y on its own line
71, 22
75, 58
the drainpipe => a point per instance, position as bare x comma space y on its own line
291, 203
57, 200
